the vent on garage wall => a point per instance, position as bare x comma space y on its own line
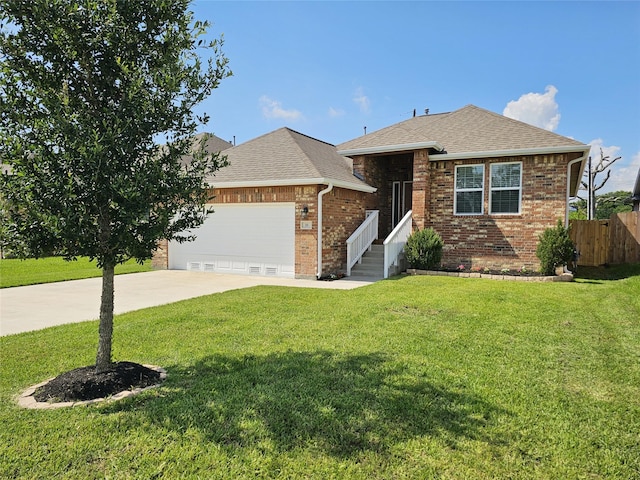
194, 266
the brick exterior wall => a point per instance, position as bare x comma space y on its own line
499, 241
343, 211
160, 259
493, 241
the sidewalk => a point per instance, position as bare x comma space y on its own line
23, 309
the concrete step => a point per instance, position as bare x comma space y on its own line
372, 263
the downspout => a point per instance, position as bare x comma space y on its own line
566, 210
321, 193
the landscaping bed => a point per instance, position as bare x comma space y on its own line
496, 275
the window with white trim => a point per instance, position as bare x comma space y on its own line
469, 190
506, 188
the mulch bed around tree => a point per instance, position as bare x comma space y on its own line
85, 384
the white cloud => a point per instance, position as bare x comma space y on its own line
362, 100
273, 109
597, 145
335, 112
539, 109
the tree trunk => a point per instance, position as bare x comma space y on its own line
105, 331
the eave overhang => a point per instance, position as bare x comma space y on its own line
381, 149
636, 188
438, 157
293, 182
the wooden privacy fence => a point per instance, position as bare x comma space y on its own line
612, 241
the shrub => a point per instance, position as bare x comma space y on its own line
424, 249
555, 249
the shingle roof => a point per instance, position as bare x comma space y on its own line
213, 143
286, 157
469, 129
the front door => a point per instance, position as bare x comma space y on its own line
401, 201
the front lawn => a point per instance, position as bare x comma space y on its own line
412, 377
15, 272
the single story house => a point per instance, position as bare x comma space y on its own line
291, 205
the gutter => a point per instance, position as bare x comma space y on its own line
436, 157
293, 182
320, 195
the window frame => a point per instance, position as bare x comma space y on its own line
457, 190
502, 189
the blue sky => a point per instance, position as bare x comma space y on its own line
328, 69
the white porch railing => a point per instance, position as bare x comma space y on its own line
360, 241
395, 242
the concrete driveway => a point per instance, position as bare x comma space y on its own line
23, 309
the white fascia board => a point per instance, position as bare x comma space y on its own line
437, 157
292, 182
391, 148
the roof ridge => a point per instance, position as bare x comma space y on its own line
305, 156
309, 136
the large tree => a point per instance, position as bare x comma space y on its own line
589, 182
88, 88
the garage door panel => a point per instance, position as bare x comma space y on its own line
250, 239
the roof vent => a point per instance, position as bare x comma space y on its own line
426, 111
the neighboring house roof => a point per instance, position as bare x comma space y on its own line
213, 143
286, 157
463, 133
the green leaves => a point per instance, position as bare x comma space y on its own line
423, 249
85, 89
555, 249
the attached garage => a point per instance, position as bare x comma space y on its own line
251, 239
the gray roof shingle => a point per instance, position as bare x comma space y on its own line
469, 129
283, 157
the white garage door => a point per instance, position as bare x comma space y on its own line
247, 239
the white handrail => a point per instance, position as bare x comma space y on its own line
360, 241
395, 242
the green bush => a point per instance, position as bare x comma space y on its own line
424, 249
555, 249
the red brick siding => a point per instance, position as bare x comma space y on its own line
342, 212
499, 241
160, 259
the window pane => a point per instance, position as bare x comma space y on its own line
469, 202
469, 177
505, 201
505, 175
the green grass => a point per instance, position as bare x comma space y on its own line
413, 377
15, 272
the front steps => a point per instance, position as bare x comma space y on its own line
372, 264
